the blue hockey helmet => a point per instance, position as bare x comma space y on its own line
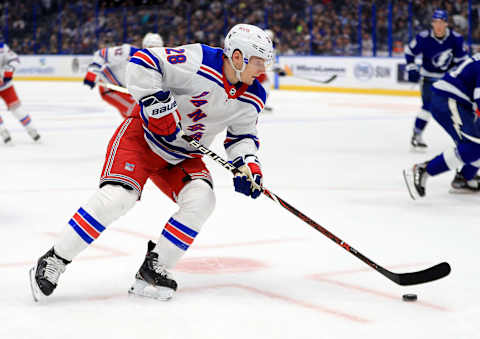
440, 14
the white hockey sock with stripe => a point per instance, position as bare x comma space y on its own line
105, 206
196, 202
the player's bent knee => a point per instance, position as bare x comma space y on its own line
196, 200
111, 202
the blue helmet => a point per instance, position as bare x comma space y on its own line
440, 14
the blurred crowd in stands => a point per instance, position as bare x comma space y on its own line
322, 27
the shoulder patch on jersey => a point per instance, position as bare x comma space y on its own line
212, 57
424, 33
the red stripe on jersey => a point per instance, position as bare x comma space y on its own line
211, 72
145, 58
260, 103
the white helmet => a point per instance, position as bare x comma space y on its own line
152, 40
270, 34
250, 41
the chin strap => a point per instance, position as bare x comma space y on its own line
238, 72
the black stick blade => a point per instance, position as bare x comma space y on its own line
430, 274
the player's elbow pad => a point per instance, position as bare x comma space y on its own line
162, 113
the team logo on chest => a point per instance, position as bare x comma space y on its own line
232, 91
443, 59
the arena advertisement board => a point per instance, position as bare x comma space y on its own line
52, 67
367, 74
379, 75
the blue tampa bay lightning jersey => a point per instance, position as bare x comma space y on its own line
462, 83
438, 55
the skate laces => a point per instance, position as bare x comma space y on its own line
53, 269
419, 176
159, 268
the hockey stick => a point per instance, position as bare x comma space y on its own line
113, 87
404, 279
288, 72
326, 81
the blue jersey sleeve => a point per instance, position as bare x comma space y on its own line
459, 52
413, 49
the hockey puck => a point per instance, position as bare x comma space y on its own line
409, 297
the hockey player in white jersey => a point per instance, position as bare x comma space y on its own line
109, 65
195, 89
8, 62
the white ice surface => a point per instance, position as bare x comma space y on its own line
255, 270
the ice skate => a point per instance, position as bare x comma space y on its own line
416, 179
460, 185
152, 279
44, 275
32, 132
5, 136
417, 144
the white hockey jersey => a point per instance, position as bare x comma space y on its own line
207, 103
8, 62
110, 63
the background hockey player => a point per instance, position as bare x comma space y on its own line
455, 102
8, 61
441, 49
109, 65
209, 90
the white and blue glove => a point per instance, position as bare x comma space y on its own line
249, 180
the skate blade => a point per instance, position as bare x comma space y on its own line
36, 293
418, 149
142, 289
407, 175
464, 191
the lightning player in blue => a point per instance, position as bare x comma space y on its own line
441, 49
455, 102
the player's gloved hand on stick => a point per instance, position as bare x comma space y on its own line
7, 76
163, 116
413, 75
89, 79
250, 178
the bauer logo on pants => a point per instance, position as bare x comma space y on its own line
129, 167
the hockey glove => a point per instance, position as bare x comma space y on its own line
162, 113
7, 76
413, 76
90, 79
249, 180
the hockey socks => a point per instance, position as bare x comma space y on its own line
108, 204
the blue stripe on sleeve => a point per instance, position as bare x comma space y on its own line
140, 62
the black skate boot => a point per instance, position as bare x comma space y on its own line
416, 179
153, 280
32, 132
5, 136
417, 144
462, 185
44, 275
